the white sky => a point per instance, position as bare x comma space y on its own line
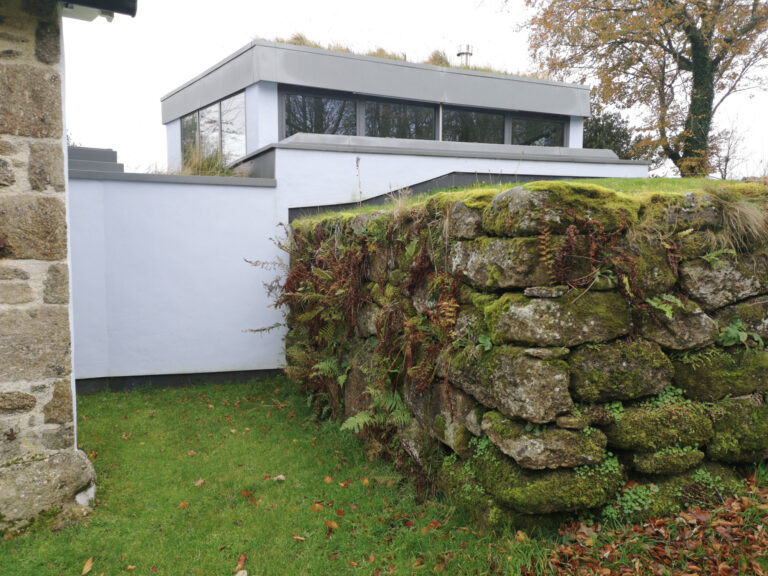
116, 72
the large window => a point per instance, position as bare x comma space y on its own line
317, 114
396, 120
537, 131
218, 129
462, 125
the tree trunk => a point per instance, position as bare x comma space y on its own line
695, 142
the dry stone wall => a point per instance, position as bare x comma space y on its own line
39, 466
548, 343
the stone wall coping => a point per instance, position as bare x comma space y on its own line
174, 179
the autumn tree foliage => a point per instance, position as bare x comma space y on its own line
674, 62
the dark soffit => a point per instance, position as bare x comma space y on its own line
120, 6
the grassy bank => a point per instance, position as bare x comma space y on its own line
187, 484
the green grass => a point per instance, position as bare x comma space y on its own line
654, 185
149, 448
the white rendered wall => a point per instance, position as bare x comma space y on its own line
159, 284
173, 142
261, 115
576, 132
312, 178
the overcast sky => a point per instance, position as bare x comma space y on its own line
116, 72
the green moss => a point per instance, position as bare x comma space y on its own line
473, 199
618, 371
438, 425
590, 200
543, 492
653, 272
495, 308
461, 439
651, 428
740, 431
673, 460
721, 373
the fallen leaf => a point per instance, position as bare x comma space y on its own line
242, 573
352, 563
339, 512
87, 566
246, 493
182, 505
241, 562
279, 478
365, 481
233, 431
191, 453
521, 536
267, 476
298, 538
316, 507
200, 482
331, 525
328, 479
130, 568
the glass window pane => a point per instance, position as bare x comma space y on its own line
233, 128
530, 131
314, 114
188, 136
394, 120
210, 130
472, 126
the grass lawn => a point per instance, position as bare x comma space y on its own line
186, 485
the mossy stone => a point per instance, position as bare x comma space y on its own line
546, 447
650, 428
577, 318
753, 314
523, 211
740, 430
714, 373
688, 329
619, 371
506, 379
545, 492
669, 461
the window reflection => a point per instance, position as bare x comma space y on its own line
210, 130
395, 120
233, 128
315, 114
532, 131
188, 136
462, 125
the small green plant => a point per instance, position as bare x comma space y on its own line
736, 333
713, 258
714, 483
387, 409
615, 409
630, 501
609, 466
666, 303
698, 358
670, 395
535, 429
484, 343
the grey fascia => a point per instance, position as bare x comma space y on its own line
370, 145
174, 179
370, 76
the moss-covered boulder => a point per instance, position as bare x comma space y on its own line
494, 263
464, 222
362, 371
577, 318
740, 430
714, 373
653, 274
672, 460
707, 485
524, 211
544, 492
618, 371
648, 428
546, 447
689, 328
513, 383
753, 314
730, 281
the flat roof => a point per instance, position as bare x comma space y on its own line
370, 76
372, 145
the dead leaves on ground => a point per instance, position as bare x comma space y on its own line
727, 541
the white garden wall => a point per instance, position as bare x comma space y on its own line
159, 281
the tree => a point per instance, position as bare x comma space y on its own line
609, 130
726, 151
672, 61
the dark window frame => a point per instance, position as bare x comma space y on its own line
564, 122
478, 110
198, 139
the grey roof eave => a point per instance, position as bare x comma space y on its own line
299, 65
368, 145
173, 179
